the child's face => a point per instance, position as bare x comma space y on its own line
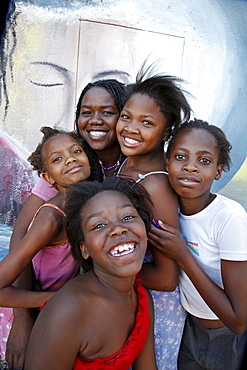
98, 119
192, 165
141, 128
65, 161
114, 234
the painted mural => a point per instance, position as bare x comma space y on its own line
51, 49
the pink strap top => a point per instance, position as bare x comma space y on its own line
126, 355
54, 265
44, 190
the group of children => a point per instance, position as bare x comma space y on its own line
108, 184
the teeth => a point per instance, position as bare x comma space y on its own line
97, 133
188, 180
122, 250
131, 141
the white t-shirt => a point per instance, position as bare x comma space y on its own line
217, 232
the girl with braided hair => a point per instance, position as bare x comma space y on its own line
97, 112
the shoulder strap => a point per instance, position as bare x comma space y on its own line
142, 177
46, 205
120, 168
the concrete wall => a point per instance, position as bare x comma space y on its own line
53, 48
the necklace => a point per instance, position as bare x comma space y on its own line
111, 167
116, 165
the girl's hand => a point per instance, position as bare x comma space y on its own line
168, 241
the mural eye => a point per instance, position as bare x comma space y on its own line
46, 74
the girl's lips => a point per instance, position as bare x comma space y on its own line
99, 134
188, 180
74, 169
131, 142
122, 249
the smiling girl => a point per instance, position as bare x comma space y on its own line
211, 250
155, 107
62, 161
105, 318
97, 112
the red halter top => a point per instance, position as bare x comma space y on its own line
126, 355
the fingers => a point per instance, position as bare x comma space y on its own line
167, 228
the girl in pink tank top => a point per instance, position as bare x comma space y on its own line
61, 159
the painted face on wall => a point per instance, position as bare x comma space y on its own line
59, 50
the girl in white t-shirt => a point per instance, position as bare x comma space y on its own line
211, 250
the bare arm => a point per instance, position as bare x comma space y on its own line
55, 339
163, 273
23, 318
43, 231
230, 303
24, 219
146, 359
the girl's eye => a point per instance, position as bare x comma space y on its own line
179, 157
147, 123
98, 226
124, 116
205, 160
76, 151
107, 113
128, 217
56, 159
85, 113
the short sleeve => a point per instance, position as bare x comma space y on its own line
44, 190
233, 236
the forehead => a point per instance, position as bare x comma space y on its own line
106, 200
57, 143
98, 96
196, 139
142, 102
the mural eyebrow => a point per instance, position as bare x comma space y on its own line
117, 73
61, 70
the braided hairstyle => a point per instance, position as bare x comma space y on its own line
115, 88
37, 161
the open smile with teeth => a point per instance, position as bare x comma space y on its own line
97, 134
122, 249
130, 141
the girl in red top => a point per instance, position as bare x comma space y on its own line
102, 319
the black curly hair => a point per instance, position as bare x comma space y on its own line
37, 161
79, 194
222, 144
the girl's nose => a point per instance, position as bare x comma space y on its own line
118, 230
131, 127
189, 166
96, 119
70, 160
